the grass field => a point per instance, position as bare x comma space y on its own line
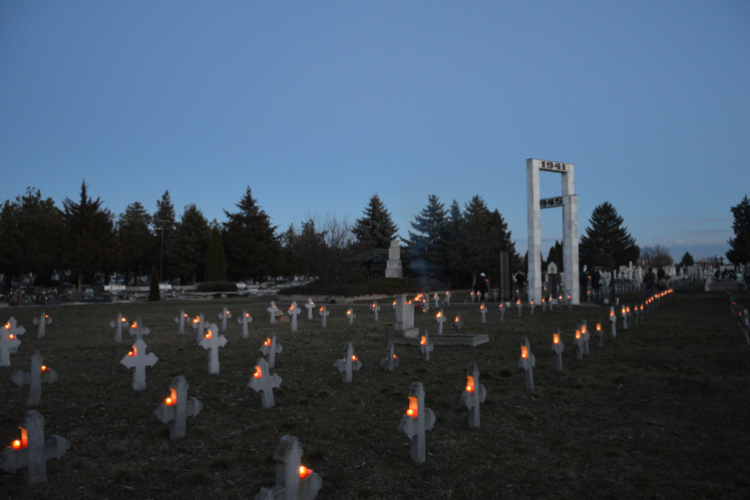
660, 412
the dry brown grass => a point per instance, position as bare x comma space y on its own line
659, 412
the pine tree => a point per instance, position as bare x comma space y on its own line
164, 224
135, 240
453, 242
216, 269
687, 260
252, 247
153, 286
739, 251
427, 245
189, 250
374, 231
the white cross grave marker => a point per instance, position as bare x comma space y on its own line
15, 331
43, 320
624, 315
37, 375
138, 359
473, 395
117, 325
375, 308
613, 320
447, 299
416, 422
270, 349
9, 341
531, 304
224, 315
348, 364
272, 311
199, 325
262, 381
31, 452
177, 407
527, 361
310, 306
390, 362
483, 312
436, 297
457, 322
245, 320
440, 318
180, 320
212, 341
137, 329
323, 316
425, 346
293, 480
579, 344
558, 346
501, 308
473, 296
294, 312
585, 336
599, 334
350, 315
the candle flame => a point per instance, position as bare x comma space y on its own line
439, 315
124, 320
208, 335
423, 341
267, 342
457, 319
46, 316
413, 410
7, 326
354, 358
395, 357
304, 472
598, 327
578, 334
134, 325
469, 383
524, 352
555, 338
258, 372
44, 368
168, 402
12, 336
17, 444
583, 329
348, 311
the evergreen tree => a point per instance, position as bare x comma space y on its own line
556, 255
216, 269
453, 242
374, 232
474, 237
153, 286
164, 223
427, 246
252, 247
739, 246
607, 242
135, 241
189, 250
89, 238
687, 260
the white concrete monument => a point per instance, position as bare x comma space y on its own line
425, 346
245, 320
293, 313
390, 362
224, 315
324, 313
416, 422
440, 318
579, 344
272, 311
293, 480
350, 315
177, 407
526, 362
212, 341
137, 329
349, 363
483, 312
264, 383
138, 359
393, 266
473, 395
558, 347
405, 317
270, 349
375, 308
180, 320
37, 375
310, 305
41, 322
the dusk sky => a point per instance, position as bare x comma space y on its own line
318, 105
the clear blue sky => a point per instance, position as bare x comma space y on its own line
318, 105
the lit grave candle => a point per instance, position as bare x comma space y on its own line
425, 346
270, 349
588, 295
390, 362
483, 312
440, 318
457, 322
558, 347
585, 336
350, 315
579, 344
624, 316
37, 375
263, 382
199, 325
447, 298
310, 305
180, 320
613, 321
375, 308
272, 311
9, 342
224, 315
212, 341
436, 298
32, 451
473, 296
245, 320
177, 407
294, 481
474, 394
526, 362
349, 363
43, 320
293, 312
519, 306
416, 422
570, 302
501, 308
531, 304
137, 329
323, 316
599, 333
138, 359
394, 305
544, 305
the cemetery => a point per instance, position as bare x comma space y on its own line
659, 409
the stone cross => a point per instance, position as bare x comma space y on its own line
32, 451
180, 320
177, 407
599, 334
199, 324
527, 361
263, 382
272, 311
425, 346
270, 349
323, 316
293, 480
551, 302
425, 304
224, 315
375, 308
531, 304
519, 306
350, 315
138, 359
570, 302
613, 320
558, 346
472, 297
416, 422
544, 305
483, 312
390, 362
245, 320
578, 342
394, 305
405, 317
43, 320
37, 375
436, 297
293, 312
473, 395
585, 336
137, 329
212, 341
348, 364
440, 318
457, 322
310, 305
624, 315
9, 340
447, 298
501, 308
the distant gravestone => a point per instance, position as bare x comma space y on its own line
264, 383
436, 297
9, 341
348, 364
613, 321
43, 320
447, 298
390, 362
527, 363
457, 322
599, 334
578, 342
416, 422
501, 308
293, 313
405, 317
586, 336
552, 279
15, 330
393, 267
177, 407
199, 325
310, 305
425, 346
440, 318
531, 305
272, 311
293, 480
323, 316
224, 315
37, 375
212, 341
180, 320
350, 315
245, 320
483, 312
558, 347
32, 451
270, 349
375, 308
137, 329
473, 395
138, 359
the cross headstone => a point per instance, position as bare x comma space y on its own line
37, 375
578, 342
32, 451
199, 325
531, 304
272, 311
425, 346
624, 315
405, 317
323, 316
544, 305
180, 320
43, 320
177, 407
474, 394
349, 363
473, 296
350, 315
137, 329
375, 308
224, 315
613, 321
263, 382
483, 312
599, 334
586, 336
457, 322
245, 320
212, 341
436, 297
9, 341
519, 306
526, 362
447, 298
558, 347
440, 318
138, 359
390, 362
416, 422
293, 480
425, 304
310, 305
270, 349
501, 308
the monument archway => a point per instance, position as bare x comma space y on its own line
569, 203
